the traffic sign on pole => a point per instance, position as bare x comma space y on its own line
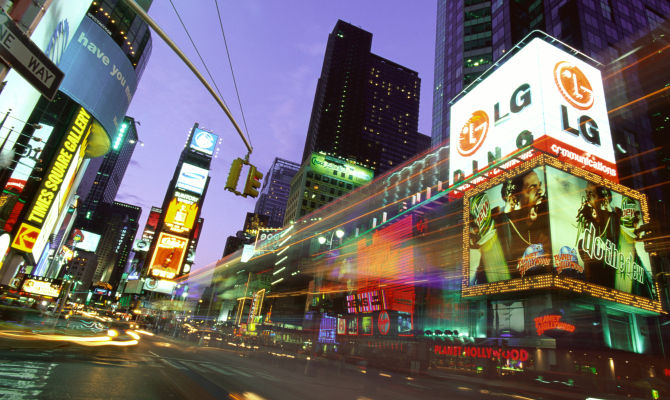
20, 53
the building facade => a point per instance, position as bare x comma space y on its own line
472, 35
320, 180
366, 108
274, 194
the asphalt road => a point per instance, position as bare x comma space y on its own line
161, 369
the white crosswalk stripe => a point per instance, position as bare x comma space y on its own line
23, 379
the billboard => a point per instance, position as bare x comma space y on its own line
40, 287
203, 141
52, 35
555, 225
168, 256
98, 75
332, 166
29, 158
159, 285
54, 189
192, 178
85, 240
540, 96
180, 215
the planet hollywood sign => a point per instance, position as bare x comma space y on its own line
484, 352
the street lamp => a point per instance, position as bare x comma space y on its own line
338, 232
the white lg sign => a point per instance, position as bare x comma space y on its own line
540, 96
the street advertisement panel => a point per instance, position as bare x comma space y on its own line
192, 178
541, 96
204, 141
509, 230
41, 287
159, 285
593, 232
98, 75
52, 35
180, 216
555, 225
54, 188
85, 240
168, 256
30, 155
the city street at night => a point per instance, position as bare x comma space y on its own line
314, 199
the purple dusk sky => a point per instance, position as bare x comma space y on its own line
277, 50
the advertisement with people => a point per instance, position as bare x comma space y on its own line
546, 221
594, 235
509, 230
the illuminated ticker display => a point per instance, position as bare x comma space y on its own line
549, 224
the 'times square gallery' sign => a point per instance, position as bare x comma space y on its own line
541, 96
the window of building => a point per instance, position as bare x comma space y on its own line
349, 186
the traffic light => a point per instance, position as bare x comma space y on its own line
253, 182
234, 175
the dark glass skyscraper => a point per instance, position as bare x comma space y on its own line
366, 108
103, 176
474, 34
274, 194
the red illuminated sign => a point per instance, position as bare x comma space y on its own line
384, 322
487, 352
552, 322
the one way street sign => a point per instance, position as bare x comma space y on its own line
20, 53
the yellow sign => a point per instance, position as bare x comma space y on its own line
168, 256
54, 177
25, 238
180, 216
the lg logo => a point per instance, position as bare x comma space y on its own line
578, 92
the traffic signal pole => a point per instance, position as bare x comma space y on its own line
132, 4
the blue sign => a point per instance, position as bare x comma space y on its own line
98, 75
203, 141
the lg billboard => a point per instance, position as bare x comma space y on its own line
541, 96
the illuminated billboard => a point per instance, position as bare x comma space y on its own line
203, 141
550, 224
159, 285
192, 178
332, 166
541, 96
180, 216
41, 287
87, 241
98, 75
55, 188
168, 256
29, 158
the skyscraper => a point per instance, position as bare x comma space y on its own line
103, 176
118, 224
366, 108
274, 194
178, 226
472, 35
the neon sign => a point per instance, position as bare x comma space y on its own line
552, 322
487, 352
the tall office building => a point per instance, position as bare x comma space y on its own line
118, 224
471, 35
170, 254
103, 176
366, 108
274, 194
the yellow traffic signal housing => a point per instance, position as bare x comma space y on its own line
234, 175
253, 182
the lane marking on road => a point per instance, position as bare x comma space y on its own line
218, 369
21, 380
174, 364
